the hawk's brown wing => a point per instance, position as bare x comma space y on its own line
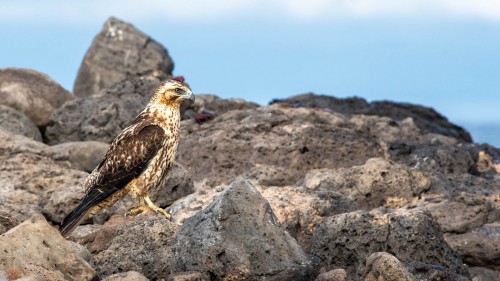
128, 156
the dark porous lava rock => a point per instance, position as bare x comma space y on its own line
31, 92
427, 119
117, 51
36, 248
298, 139
141, 244
102, 117
16, 122
347, 240
238, 237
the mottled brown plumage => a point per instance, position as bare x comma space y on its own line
139, 158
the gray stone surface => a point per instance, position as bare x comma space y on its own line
85, 154
31, 171
117, 51
427, 119
479, 247
484, 274
347, 240
12, 214
376, 183
141, 244
16, 122
333, 275
296, 139
239, 237
126, 276
36, 248
32, 93
382, 266
102, 117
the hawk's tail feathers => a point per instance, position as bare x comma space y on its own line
71, 221
81, 211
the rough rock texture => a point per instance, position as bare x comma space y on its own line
86, 154
300, 211
332, 275
433, 272
31, 171
126, 276
102, 117
240, 238
33, 93
484, 274
427, 119
298, 139
16, 122
12, 214
347, 240
376, 183
117, 51
34, 247
188, 276
218, 106
141, 244
479, 247
382, 266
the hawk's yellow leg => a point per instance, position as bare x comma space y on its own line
156, 209
143, 209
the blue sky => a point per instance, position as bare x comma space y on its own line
443, 54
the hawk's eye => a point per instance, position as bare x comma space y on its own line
179, 91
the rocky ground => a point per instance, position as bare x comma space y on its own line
307, 188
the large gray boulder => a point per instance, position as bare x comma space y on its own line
102, 117
141, 244
238, 237
117, 51
31, 92
347, 240
16, 122
36, 248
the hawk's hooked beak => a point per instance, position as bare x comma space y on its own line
188, 96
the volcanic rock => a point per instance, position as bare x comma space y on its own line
382, 266
427, 119
376, 183
238, 236
117, 51
31, 92
35, 247
102, 117
85, 154
347, 240
141, 244
296, 139
16, 122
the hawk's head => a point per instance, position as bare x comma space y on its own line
172, 93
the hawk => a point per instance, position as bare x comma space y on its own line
139, 158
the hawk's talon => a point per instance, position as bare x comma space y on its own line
156, 209
141, 210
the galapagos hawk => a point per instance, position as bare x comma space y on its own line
139, 158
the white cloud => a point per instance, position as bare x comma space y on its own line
83, 12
